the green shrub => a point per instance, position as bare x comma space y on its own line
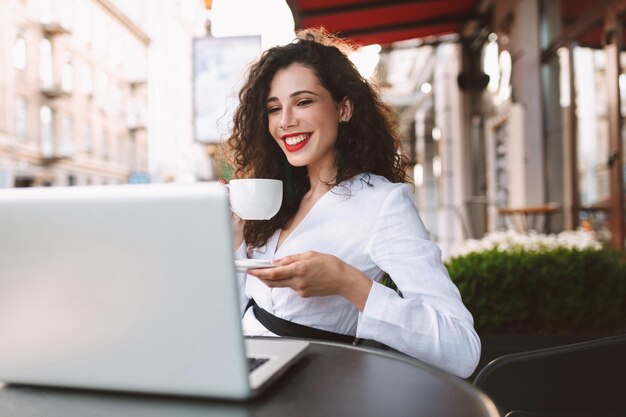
548, 292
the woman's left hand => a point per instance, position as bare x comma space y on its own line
314, 274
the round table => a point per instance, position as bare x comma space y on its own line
330, 380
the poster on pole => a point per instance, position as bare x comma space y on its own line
219, 68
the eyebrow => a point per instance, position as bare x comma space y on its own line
294, 94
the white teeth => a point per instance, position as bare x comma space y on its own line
294, 140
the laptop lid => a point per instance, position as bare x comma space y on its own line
128, 287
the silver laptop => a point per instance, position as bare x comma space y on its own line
127, 288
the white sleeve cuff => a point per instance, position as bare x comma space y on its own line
369, 319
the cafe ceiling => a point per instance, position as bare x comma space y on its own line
385, 21
588, 17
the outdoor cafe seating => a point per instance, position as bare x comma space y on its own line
579, 379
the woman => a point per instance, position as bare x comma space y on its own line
307, 117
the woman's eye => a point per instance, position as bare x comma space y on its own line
305, 102
273, 110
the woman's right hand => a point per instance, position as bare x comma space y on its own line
237, 224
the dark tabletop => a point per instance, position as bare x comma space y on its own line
330, 380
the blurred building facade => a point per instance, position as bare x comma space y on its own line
98, 92
173, 153
73, 92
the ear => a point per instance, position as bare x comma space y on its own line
345, 110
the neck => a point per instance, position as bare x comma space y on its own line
320, 175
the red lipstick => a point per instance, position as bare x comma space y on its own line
293, 147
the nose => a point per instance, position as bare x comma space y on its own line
287, 119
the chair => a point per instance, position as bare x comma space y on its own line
579, 379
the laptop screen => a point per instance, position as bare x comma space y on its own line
126, 287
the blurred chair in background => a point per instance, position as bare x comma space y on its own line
580, 379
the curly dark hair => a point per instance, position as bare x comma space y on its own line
369, 135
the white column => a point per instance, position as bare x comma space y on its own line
452, 148
526, 82
426, 197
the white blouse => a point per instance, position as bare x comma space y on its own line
373, 228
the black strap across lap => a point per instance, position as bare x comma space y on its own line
286, 328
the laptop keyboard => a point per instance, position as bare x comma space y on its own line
254, 363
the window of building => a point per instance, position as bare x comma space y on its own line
116, 45
87, 139
121, 154
46, 117
19, 52
102, 87
67, 73
21, 118
87, 79
67, 145
87, 20
132, 153
57, 11
112, 147
116, 98
45, 62
102, 35
66, 11
105, 145
46, 11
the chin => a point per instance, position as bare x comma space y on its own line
296, 162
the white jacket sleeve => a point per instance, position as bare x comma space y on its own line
429, 321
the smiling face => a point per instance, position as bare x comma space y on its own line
303, 118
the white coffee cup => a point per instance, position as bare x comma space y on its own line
255, 198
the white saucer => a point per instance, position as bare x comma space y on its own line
245, 264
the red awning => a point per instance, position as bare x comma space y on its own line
385, 21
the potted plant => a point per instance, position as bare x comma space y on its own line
528, 291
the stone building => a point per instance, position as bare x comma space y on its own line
72, 94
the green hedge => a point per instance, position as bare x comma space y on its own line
552, 292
